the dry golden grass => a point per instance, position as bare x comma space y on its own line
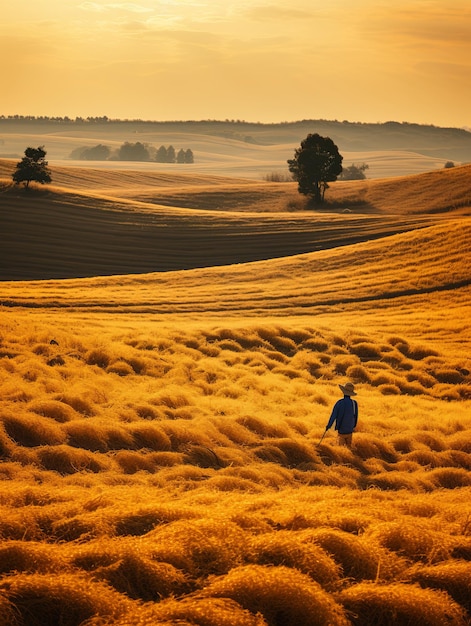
159, 436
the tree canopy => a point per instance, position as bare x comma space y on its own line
32, 167
133, 152
316, 163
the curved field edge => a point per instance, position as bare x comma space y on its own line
409, 267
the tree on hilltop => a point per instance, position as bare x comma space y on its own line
171, 155
189, 156
316, 163
161, 155
32, 167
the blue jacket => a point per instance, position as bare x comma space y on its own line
345, 416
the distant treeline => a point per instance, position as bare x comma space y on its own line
104, 119
433, 141
133, 152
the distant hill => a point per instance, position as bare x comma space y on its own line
432, 141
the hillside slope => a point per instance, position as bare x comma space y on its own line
419, 275
133, 225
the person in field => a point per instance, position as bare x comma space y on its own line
345, 415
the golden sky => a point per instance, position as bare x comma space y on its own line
257, 60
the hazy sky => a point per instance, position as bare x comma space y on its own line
258, 60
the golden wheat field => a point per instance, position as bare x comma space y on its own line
170, 350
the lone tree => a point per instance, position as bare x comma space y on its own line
316, 163
354, 172
32, 167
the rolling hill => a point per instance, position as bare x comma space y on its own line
241, 149
104, 223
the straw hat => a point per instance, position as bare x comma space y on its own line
348, 389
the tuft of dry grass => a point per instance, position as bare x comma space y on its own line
284, 596
454, 577
141, 578
288, 549
356, 558
42, 599
30, 430
398, 603
418, 542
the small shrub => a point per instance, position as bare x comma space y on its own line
171, 400
147, 412
411, 389
343, 363
145, 520
6, 445
421, 352
394, 481
403, 443
271, 454
166, 459
383, 381
422, 378
285, 345
425, 457
203, 457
